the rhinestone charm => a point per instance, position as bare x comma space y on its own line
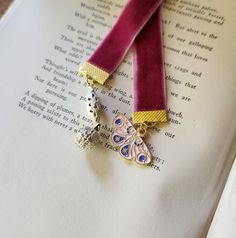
88, 137
93, 104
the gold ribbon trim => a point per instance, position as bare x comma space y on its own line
150, 116
90, 71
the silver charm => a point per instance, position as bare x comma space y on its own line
93, 104
88, 137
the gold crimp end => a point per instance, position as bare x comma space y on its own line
89, 71
150, 116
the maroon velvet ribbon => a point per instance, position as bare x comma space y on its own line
148, 64
139, 24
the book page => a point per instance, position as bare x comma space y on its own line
223, 224
51, 188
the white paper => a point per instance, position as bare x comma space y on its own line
223, 224
51, 188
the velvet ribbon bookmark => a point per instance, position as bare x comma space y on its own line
139, 25
149, 74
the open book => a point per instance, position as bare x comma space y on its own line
51, 188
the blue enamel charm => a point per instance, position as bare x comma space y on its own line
117, 139
128, 142
125, 151
142, 158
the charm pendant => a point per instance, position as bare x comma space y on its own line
88, 137
129, 142
93, 104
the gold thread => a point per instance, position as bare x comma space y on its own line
89, 71
150, 116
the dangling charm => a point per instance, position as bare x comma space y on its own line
93, 104
129, 142
88, 137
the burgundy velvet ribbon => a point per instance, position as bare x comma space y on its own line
139, 24
148, 66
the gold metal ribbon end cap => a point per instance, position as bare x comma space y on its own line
92, 72
150, 116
